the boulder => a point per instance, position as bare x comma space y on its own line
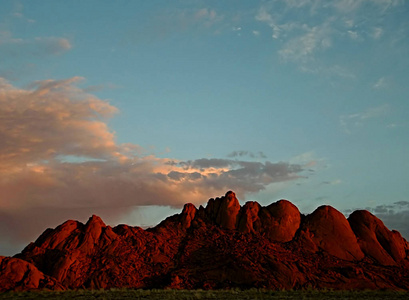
331, 232
281, 221
376, 241
19, 275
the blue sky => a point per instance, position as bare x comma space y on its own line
129, 109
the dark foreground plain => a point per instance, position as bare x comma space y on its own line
202, 294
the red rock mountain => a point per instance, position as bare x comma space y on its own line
221, 246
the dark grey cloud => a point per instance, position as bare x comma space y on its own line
243, 153
175, 175
241, 176
258, 174
396, 220
402, 203
204, 163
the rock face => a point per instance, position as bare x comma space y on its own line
222, 245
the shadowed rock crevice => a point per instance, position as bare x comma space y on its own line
221, 245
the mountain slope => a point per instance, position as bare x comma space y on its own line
227, 245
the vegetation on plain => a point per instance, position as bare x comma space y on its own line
205, 294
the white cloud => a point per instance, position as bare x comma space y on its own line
264, 16
309, 40
386, 4
348, 122
349, 23
353, 34
208, 17
347, 6
380, 84
374, 112
302, 48
377, 33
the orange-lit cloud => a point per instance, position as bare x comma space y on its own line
59, 160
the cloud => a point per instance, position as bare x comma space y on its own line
333, 182
353, 34
396, 220
374, 112
380, 84
264, 16
348, 122
37, 47
59, 160
19, 56
377, 33
299, 41
402, 203
302, 48
178, 20
334, 70
348, 6
246, 153
307, 33
52, 119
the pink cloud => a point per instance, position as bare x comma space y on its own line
59, 160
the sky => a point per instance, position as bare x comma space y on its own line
130, 109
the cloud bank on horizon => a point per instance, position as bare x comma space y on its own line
297, 99
58, 156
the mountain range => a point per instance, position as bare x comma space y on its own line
222, 245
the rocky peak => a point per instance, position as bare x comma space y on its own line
93, 230
228, 211
56, 238
188, 214
95, 220
249, 220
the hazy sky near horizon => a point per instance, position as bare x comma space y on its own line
129, 109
